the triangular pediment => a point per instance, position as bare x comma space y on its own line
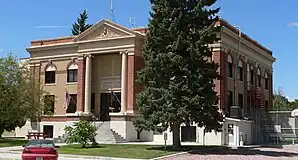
105, 29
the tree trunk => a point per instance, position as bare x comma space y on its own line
176, 135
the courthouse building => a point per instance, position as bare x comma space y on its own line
92, 76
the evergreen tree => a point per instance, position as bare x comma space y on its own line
80, 26
178, 74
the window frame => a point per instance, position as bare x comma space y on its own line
73, 101
52, 107
50, 77
74, 73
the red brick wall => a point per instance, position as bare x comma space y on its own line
52, 41
139, 64
81, 85
130, 83
135, 63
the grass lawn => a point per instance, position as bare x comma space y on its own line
10, 142
126, 150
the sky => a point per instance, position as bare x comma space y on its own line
274, 24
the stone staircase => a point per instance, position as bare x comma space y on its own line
106, 135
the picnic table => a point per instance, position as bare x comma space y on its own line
36, 135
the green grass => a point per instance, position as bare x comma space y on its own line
10, 142
126, 150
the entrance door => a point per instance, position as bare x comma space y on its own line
188, 134
109, 102
48, 130
104, 106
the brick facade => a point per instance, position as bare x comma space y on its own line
81, 85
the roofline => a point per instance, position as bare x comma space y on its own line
245, 36
51, 39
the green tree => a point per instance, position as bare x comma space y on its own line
281, 103
20, 97
178, 74
80, 26
83, 132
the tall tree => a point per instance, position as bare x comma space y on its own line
178, 74
20, 97
282, 103
80, 26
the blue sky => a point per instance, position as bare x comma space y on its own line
266, 21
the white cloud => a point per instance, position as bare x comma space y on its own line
50, 27
293, 24
1, 49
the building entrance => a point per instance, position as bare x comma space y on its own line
109, 103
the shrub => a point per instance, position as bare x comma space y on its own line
83, 133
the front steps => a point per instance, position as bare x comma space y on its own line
106, 135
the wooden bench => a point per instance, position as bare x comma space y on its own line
36, 135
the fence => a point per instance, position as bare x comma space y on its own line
284, 127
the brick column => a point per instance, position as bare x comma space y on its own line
244, 68
270, 91
130, 83
217, 83
81, 85
223, 81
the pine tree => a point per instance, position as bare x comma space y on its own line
178, 74
80, 26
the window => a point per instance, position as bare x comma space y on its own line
267, 105
49, 104
266, 81
240, 71
230, 66
230, 100
93, 102
251, 76
240, 100
48, 130
72, 73
259, 78
72, 106
50, 74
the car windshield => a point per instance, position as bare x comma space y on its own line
40, 143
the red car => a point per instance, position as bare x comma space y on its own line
39, 149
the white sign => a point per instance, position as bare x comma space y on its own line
110, 83
165, 136
277, 128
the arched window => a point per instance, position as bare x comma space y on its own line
230, 66
251, 74
259, 77
248, 72
50, 74
72, 73
240, 71
266, 81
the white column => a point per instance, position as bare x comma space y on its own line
124, 82
87, 107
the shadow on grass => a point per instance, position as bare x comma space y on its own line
245, 151
80, 147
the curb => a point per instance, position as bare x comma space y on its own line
167, 156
